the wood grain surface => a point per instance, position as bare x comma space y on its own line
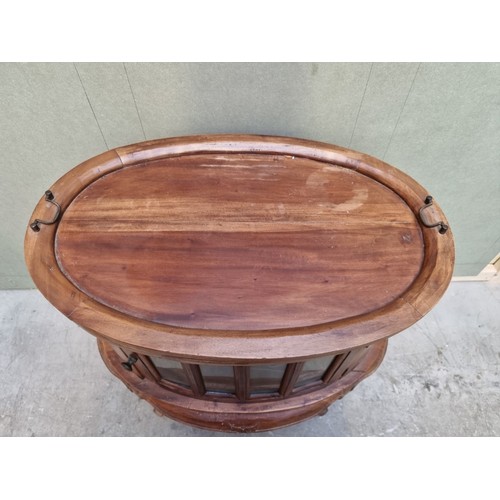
244, 248
231, 414
239, 242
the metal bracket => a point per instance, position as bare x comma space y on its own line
442, 226
35, 225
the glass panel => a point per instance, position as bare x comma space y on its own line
266, 379
170, 370
313, 370
218, 378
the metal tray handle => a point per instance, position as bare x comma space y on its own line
442, 226
35, 225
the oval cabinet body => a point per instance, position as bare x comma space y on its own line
239, 282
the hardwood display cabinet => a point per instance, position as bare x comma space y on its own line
238, 282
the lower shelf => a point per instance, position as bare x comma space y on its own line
248, 416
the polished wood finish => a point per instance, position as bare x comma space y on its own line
242, 382
239, 243
334, 367
239, 250
290, 377
428, 254
231, 415
194, 376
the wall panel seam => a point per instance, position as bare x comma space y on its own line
401, 112
135, 102
360, 105
91, 107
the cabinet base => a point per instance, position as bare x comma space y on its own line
230, 415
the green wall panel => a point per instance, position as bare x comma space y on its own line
448, 138
108, 90
439, 122
383, 101
46, 127
306, 100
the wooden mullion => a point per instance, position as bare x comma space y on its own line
357, 356
193, 374
146, 360
342, 368
242, 382
342, 362
290, 377
334, 366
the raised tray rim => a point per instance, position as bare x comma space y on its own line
227, 345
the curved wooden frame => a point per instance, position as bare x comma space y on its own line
231, 415
228, 346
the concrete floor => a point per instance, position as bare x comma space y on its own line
439, 378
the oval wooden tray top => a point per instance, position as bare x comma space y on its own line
239, 247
